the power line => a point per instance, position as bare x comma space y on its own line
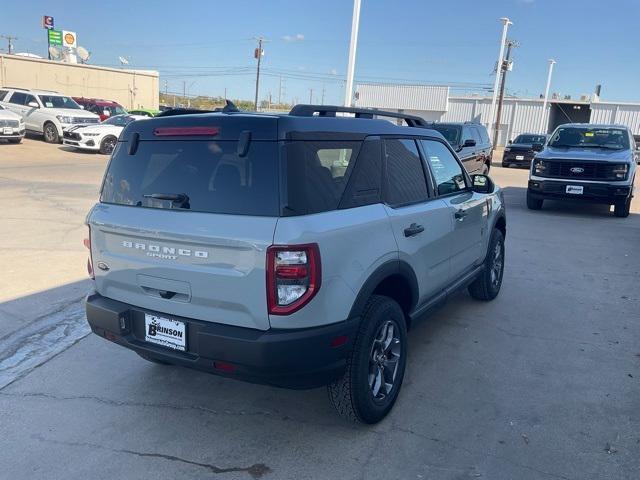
10, 39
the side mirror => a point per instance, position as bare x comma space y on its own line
482, 184
469, 142
510, 142
33, 105
537, 147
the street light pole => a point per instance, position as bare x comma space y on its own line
258, 54
355, 23
505, 27
552, 62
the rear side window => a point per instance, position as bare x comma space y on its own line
18, 98
406, 182
317, 173
201, 176
3, 93
365, 183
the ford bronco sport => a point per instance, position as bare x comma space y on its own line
294, 250
584, 162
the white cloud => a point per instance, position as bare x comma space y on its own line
298, 37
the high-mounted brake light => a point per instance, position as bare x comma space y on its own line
293, 277
87, 243
186, 131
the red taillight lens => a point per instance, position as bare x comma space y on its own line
87, 243
186, 131
293, 277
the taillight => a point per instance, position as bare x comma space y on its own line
87, 243
293, 277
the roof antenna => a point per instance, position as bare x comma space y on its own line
230, 107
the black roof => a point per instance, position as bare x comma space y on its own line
302, 122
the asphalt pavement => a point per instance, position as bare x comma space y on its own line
542, 383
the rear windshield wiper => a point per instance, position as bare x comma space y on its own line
180, 199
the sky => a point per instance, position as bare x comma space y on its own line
205, 47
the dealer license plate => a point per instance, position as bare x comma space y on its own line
166, 332
575, 189
7, 131
519, 157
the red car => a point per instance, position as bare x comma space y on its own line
103, 108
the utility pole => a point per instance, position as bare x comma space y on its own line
503, 68
184, 91
166, 87
280, 90
258, 53
323, 91
225, 94
505, 26
546, 95
355, 23
311, 96
10, 39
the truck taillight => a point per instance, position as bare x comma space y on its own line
87, 243
293, 277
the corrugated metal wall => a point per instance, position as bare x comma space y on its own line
623, 114
402, 97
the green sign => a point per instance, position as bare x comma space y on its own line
55, 37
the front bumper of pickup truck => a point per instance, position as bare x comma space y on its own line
300, 358
593, 192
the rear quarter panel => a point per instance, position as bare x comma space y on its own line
353, 244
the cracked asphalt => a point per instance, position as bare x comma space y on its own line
542, 383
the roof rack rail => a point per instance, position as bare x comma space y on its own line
304, 110
16, 88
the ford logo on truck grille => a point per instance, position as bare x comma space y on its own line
577, 170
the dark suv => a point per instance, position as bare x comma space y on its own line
471, 143
294, 250
521, 151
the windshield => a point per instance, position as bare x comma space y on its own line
114, 109
612, 138
119, 120
57, 101
450, 132
530, 139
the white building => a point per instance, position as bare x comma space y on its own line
519, 115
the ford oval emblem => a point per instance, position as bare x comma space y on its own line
577, 170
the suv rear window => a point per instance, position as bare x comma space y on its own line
203, 176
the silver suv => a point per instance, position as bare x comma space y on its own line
294, 250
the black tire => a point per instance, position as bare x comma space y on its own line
354, 394
15, 140
152, 360
505, 165
485, 169
50, 133
107, 144
533, 203
621, 209
487, 286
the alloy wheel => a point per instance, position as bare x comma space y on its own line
384, 360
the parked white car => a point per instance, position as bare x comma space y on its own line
102, 137
44, 112
11, 126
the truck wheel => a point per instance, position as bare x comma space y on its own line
50, 132
621, 209
487, 286
108, 144
375, 369
533, 203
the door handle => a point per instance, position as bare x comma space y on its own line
460, 214
413, 229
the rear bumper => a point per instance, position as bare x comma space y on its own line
303, 358
510, 159
605, 193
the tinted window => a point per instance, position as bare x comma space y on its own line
204, 176
466, 134
483, 134
405, 175
446, 170
18, 98
3, 93
119, 120
530, 139
365, 185
476, 135
450, 132
58, 101
317, 174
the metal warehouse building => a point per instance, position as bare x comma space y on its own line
519, 115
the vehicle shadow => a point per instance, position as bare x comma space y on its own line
68, 149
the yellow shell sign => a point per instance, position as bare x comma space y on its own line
69, 39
